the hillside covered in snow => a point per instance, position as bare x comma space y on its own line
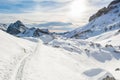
69, 59
105, 20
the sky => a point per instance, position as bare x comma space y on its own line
69, 14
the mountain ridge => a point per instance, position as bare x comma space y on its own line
104, 22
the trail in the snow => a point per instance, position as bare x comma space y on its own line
17, 75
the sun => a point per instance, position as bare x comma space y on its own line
77, 8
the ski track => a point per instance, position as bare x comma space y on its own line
17, 75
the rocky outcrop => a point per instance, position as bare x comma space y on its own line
16, 28
38, 32
106, 19
20, 30
117, 69
109, 78
114, 2
99, 13
33, 32
104, 10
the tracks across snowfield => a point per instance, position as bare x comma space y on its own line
17, 74
49, 63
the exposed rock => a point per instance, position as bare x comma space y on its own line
109, 78
104, 10
114, 2
16, 28
99, 13
117, 69
82, 34
38, 32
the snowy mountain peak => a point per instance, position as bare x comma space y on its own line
19, 23
20, 30
16, 28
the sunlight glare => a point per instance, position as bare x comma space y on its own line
77, 8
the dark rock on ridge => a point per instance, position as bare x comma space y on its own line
16, 28
104, 10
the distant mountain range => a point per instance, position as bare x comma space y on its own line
19, 29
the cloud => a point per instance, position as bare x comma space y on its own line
13, 6
62, 26
49, 24
24, 6
35, 11
51, 4
99, 3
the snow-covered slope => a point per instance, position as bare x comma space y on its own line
33, 32
60, 59
3, 26
106, 19
110, 38
12, 50
89, 48
71, 60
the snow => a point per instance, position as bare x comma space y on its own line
106, 22
93, 72
110, 38
50, 63
46, 38
50, 66
59, 59
3, 26
12, 50
54, 57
